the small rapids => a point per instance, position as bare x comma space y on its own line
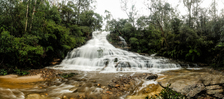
99, 55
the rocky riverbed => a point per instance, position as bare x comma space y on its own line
48, 84
195, 83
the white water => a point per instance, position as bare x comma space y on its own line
99, 55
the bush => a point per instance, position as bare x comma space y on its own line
3, 72
167, 93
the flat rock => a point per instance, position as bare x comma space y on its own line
217, 91
219, 95
213, 87
23, 79
36, 96
194, 89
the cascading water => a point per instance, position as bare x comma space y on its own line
99, 55
124, 43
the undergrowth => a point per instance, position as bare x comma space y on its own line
167, 93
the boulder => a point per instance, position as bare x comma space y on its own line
152, 77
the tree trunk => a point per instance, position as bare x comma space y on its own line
161, 28
27, 15
34, 8
79, 6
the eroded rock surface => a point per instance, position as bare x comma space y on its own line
194, 83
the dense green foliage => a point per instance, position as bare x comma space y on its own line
3, 72
34, 32
198, 36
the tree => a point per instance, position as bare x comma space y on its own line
142, 22
213, 10
131, 13
34, 32
107, 18
160, 16
27, 15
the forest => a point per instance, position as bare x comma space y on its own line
195, 37
35, 32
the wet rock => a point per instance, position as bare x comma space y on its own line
94, 81
98, 85
195, 82
47, 74
89, 84
152, 77
105, 97
222, 80
213, 87
193, 65
77, 85
152, 90
46, 94
82, 89
127, 86
36, 96
33, 96
56, 82
93, 96
83, 79
64, 97
103, 87
65, 80
43, 86
109, 92
164, 83
215, 79
82, 95
70, 81
217, 91
184, 65
117, 85
193, 90
207, 80
73, 89
219, 95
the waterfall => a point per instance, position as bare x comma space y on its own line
99, 55
124, 43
